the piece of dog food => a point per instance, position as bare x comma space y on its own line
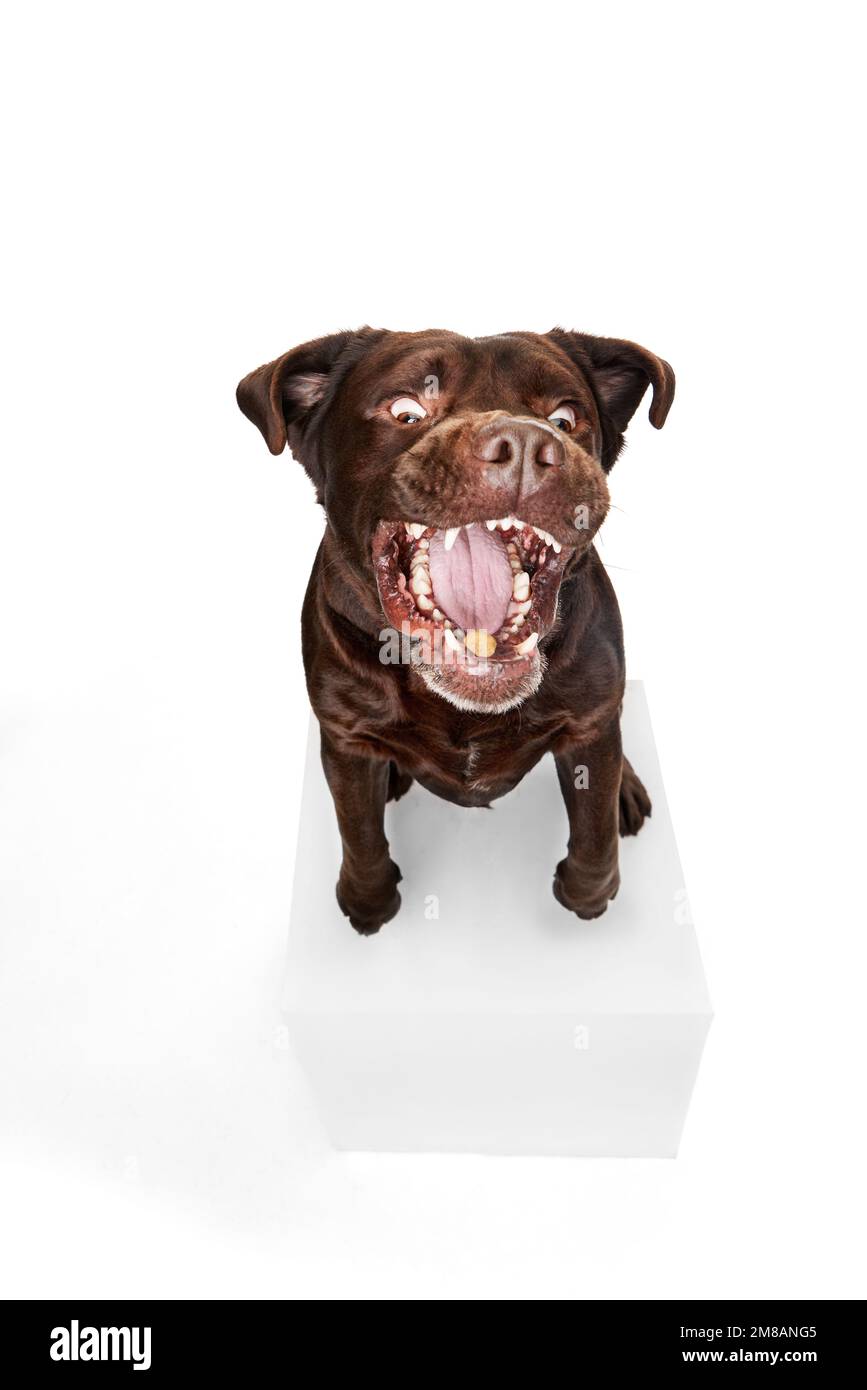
480, 642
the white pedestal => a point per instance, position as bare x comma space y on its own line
485, 1018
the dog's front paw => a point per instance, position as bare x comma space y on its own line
369, 905
579, 893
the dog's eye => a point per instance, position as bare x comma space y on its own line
408, 411
564, 418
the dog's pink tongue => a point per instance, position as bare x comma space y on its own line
472, 582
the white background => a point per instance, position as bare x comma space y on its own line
193, 189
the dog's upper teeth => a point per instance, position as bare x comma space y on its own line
416, 529
451, 536
506, 523
547, 538
492, 525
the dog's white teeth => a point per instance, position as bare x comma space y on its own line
451, 536
492, 525
451, 641
506, 523
520, 586
543, 535
556, 546
515, 608
525, 647
423, 603
415, 529
420, 581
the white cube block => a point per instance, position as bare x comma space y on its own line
484, 1017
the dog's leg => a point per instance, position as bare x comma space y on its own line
635, 804
367, 886
399, 783
590, 780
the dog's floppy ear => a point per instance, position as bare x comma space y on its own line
282, 394
620, 373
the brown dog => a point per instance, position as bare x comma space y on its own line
458, 623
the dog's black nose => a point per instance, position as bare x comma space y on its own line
518, 452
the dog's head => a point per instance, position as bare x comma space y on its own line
462, 478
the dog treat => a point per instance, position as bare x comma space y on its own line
480, 642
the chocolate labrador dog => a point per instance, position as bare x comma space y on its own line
458, 622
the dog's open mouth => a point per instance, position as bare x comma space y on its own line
478, 597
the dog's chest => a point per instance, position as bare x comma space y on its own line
471, 755
479, 769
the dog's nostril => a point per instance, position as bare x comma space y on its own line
500, 450
548, 453
495, 446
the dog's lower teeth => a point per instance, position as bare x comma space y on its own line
451, 641
420, 583
521, 586
528, 644
423, 603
